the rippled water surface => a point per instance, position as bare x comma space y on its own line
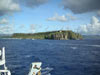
59, 57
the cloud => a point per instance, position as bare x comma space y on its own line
33, 3
32, 28
22, 26
4, 21
63, 18
98, 13
71, 17
6, 29
8, 7
81, 6
92, 29
11, 6
56, 17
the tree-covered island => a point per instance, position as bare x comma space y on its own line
54, 35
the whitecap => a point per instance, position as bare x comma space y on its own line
92, 45
96, 45
46, 71
74, 48
27, 56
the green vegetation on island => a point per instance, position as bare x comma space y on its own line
54, 35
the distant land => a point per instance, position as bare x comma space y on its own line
54, 35
91, 36
5, 35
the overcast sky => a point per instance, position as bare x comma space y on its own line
31, 16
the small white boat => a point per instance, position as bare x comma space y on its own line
35, 68
4, 70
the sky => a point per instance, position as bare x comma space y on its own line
33, 16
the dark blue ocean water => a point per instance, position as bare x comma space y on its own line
59, 57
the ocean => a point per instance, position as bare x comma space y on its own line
58, 57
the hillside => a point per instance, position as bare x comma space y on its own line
55, 35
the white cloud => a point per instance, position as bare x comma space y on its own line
56, 17
83, 29
93, 28
4, 21
8, 7
32, 28
22, 26
63, 18
6, 29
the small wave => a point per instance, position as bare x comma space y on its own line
27, 56
15, 66
82, 45
96, 45
47, 68
92, 45
46, 71
74, 48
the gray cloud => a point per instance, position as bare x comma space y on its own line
81, 6
8, 7
33, 3
11, 6
98, 13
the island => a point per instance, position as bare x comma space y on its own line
53, 35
